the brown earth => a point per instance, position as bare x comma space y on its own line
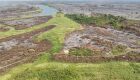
101, 40
2, 29
22, 48
106, 44
133, 29
17, 11
26, 22
130, 57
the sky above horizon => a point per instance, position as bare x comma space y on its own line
80, 0
99, 0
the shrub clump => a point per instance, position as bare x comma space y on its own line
115, 21
119, 49
81, 52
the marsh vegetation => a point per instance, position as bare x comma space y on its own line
69, 47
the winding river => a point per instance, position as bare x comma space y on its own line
46, 10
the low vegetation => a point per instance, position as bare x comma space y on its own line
44, 69
81, 52
80, 71
52, 73
119, 49
101, 20
16, 32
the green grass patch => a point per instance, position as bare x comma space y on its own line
81, 52
50, 73
80, 71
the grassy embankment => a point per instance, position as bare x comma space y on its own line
43, 69
15, 32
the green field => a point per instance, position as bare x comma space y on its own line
44, 68
79, 71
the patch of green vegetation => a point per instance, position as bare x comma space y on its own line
57, 34
119, 49
101, 20
52, 73
15, 71
119, 71
80, 71
135, 67
81, 52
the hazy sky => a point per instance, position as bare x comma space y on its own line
77, 0
100, 0
93, 0
23, 0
